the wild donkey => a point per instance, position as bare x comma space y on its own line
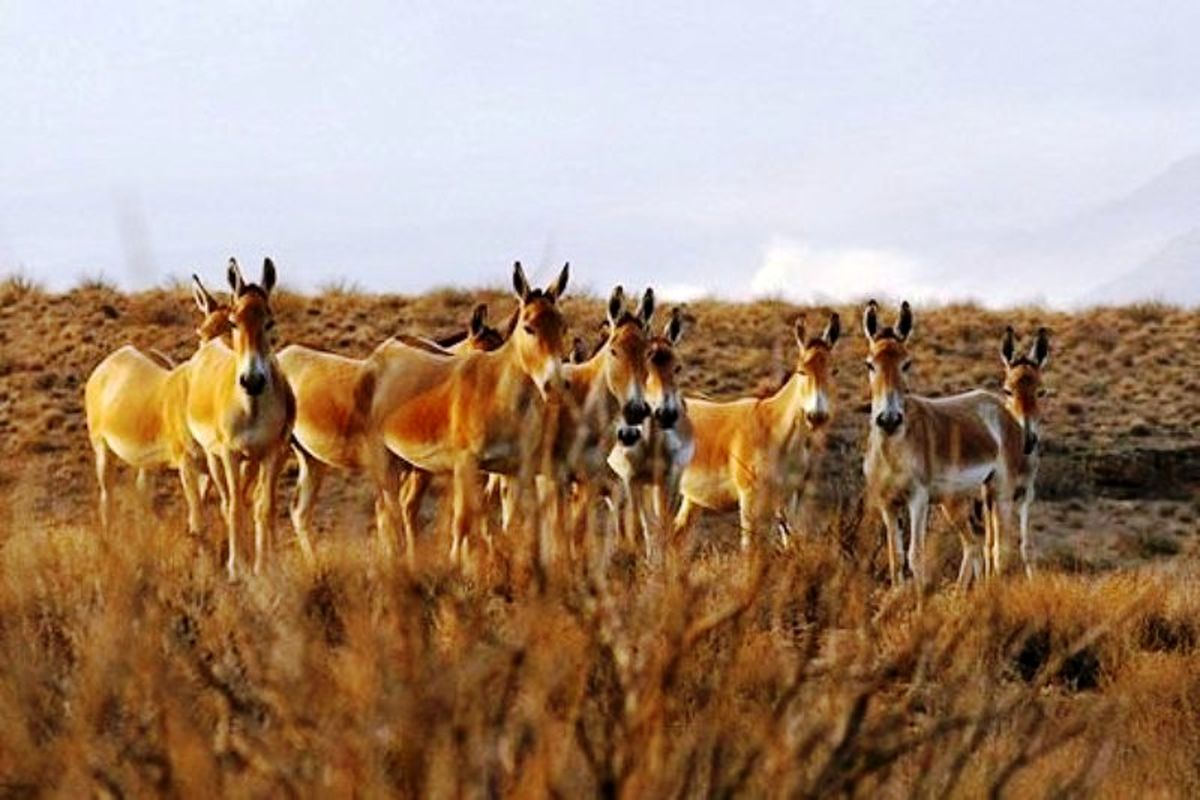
651, 467
137, 409
333, 432
753, 453
922, 451
1022, 391
241, 411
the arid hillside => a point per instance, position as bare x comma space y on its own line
131, 666
1119, 480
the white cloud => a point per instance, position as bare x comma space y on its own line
801, 272
683, 292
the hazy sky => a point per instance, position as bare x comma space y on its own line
838, 148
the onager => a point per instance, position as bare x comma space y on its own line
483, 411
240, 410
922, 451
332, 428
137, 409
1022, 391
754, 453
603, 402
651, 468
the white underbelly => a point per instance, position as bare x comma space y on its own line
961, 481
139, 454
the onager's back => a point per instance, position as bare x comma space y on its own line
136, 408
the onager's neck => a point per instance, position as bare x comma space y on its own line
786, 406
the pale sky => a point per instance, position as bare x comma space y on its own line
824, 149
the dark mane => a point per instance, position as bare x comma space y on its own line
254, 288
628, 318
888, 333
452, 339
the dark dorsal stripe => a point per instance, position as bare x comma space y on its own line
452, 339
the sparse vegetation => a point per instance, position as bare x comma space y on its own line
130, 666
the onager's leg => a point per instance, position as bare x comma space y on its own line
1027, 553
385, 472
264, 506
216, 473
748, 516
189, 476
995, 528
895, 544
308, 485
960, 519
918, 515
1003, 512
412, 492
234, 506
466, 476
104, 479
685, 519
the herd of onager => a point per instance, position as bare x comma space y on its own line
510, 419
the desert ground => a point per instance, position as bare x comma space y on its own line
130, 665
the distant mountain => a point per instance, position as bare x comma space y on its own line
1171, 275
1139, 246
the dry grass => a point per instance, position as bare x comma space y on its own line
130, 666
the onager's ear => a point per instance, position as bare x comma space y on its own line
268, 276
520, 284
204, 300
1008, 346
478, 319
904, 325
833, 330
647, 309
1040, 352
674, 327
236, 282
616, 303
798, 330
556, 289
871, 320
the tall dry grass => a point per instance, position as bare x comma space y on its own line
129, 666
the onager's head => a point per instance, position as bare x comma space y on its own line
252, 323
887, 364
624, 355
216, 315
815, 364
538, 335
662, 369
1023, 383
479, 336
